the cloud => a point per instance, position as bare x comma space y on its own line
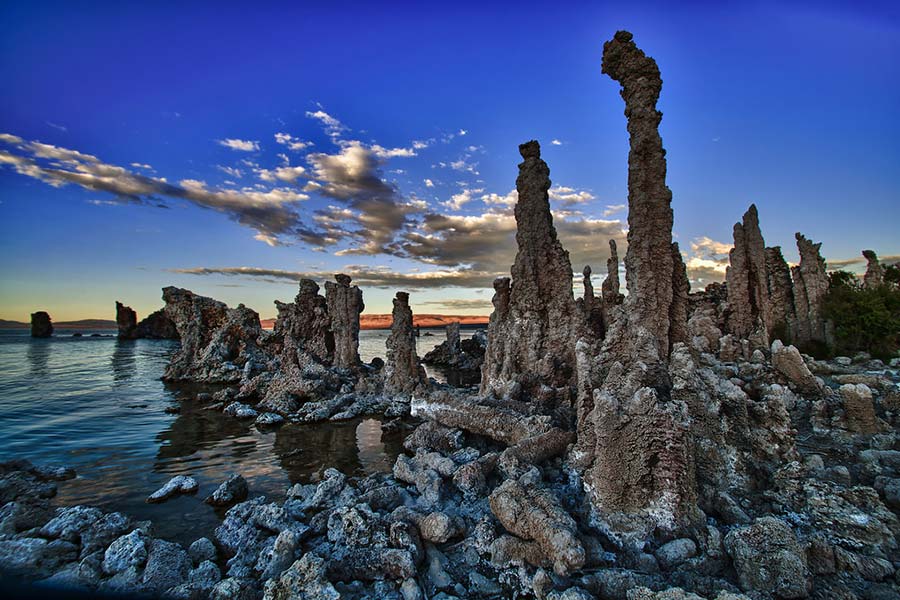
380, 277
333, 127
384, 153
459, 304
457, 201
429, 183
9, 138
707, 261
269, 211
285, 174
612, 209
378, 210
556, 142
569, 196
240, 145
62, 128
462, 132
296, 144
231, 171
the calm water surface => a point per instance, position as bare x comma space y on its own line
98, 405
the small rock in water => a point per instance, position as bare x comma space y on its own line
269, 418
233, 490
240, 410
180, 484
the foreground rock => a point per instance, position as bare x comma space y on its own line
41, 327
634, 446
179, 484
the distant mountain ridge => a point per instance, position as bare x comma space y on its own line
365, 322
80, 324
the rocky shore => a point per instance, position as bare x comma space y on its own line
657, 445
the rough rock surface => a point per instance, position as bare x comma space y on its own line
126, 321
782, 318
535, 323
402, 372
746, 279
768, 558
41, 327
306, 322
217, 342
810, 287
345, 303
859, 409
157, 326
534, 513
874, 276
232, 490
633, 445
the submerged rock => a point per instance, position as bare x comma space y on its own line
233, 490
180, 484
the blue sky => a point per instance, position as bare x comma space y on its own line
230, 150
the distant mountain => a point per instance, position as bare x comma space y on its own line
4, 324
81, 324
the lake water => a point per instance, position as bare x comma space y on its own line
98, 404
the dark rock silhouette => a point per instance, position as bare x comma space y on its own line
126, 321
41, 326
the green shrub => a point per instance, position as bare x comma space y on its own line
864, 319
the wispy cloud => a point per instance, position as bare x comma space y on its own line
295, 144
271, 211
240, 145
612, 209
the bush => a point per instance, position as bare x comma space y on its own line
864, 319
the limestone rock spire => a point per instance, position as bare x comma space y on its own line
532, 333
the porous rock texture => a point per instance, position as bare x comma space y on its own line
534, 513
156, 326
746, 278
810, 287
126, 321
402, 372
591, 306
874, 276
217, 343
345, 303
634, 447
306, 322
41, 326
781, 314
532, 332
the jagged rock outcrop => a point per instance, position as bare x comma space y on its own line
126, 321
218, 344
532, 333
468, 356
402, 372
610, 287
453, 346
782, 318
874, 276
41, 326
345, 303
678, 310
591, 306
634, 446
810, 287
746, 279
157, 326
306, 322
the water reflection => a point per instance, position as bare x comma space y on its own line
38, 356
124, 361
